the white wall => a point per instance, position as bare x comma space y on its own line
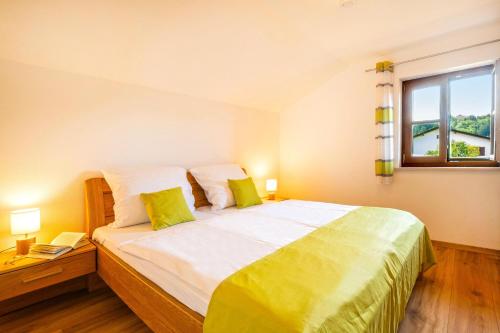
327, 149
57, 129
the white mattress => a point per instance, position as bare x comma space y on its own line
189, 260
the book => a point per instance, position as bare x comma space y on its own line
65, 242
73, 239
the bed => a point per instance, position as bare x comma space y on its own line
165, 270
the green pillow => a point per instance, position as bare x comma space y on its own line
166, 208
244, 192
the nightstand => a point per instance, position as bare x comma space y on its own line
28, 275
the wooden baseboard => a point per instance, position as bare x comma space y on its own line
467, 248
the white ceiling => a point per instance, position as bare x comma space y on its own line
259, 54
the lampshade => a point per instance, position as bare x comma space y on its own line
24, 221
271, 185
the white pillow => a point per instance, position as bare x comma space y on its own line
128, 184
213, 180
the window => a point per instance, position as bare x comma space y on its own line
449, 119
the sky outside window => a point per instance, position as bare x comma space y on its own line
426, 104
471, 96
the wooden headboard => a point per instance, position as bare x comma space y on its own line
99, 202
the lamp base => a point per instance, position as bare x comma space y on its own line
23, 245
271, 196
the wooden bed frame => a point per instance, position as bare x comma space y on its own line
157, 308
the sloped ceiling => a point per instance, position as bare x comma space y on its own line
259, 54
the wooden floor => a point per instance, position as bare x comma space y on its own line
99, 311
460, 294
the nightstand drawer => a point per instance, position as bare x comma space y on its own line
45, 274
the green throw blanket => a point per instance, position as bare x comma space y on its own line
355, 274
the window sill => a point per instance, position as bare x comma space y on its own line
437, 163
409, 168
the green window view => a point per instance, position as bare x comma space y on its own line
425, 120
471, 105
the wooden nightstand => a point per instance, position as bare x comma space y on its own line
29, 275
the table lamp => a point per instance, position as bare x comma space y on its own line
24, 222
271, 187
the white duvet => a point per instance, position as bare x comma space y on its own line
202, 253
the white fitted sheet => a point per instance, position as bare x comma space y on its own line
189, 260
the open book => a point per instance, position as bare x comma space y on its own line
65, 242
